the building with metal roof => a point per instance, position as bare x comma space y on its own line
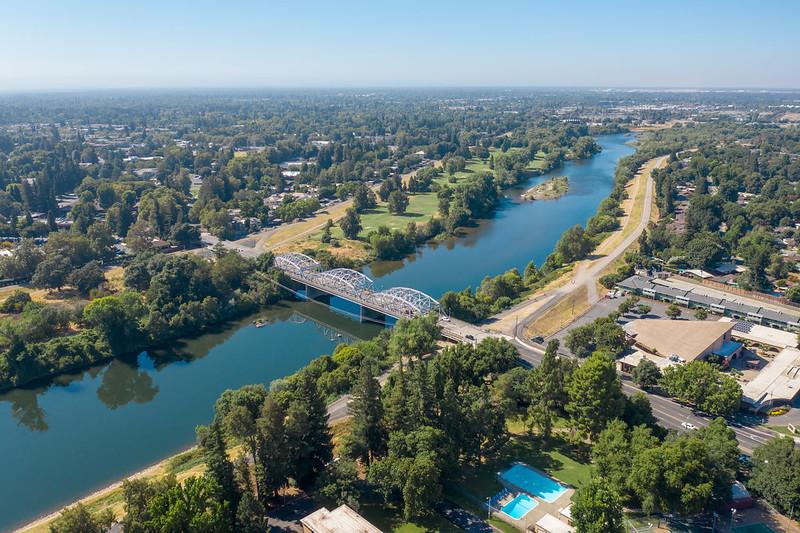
717, 301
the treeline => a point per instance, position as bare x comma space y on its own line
408, 440
165, 297
575, 244
738, 195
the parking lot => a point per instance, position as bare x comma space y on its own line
607, 305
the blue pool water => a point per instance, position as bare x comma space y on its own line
533, 482
519, 506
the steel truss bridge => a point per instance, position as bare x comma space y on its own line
351, 285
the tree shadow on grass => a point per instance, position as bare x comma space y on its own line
481, 481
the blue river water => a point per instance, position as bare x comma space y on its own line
64, 439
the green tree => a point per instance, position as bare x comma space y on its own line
52, 273
704, 251
722, 456
308, 438
338, 483
88, 277
595, 395
596, 508
190, 506
701, 384
364, 198
397, 202
646, 374
776, 474
272, 465
250, 515
757, 248
350, 224
78, 519
218, 467
574, 244
701, 314
673, 311
414, 337
118, 318
422, 488
612, 456
546, 385
688, 480
367, 437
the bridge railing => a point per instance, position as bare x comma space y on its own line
400, 302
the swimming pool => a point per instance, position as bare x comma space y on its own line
533, 482
519, 506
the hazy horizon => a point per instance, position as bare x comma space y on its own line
91, 45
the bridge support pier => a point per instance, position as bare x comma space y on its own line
368, 315
313, 293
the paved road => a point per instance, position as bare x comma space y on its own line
587, 276
669, 413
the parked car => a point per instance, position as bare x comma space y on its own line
688, 426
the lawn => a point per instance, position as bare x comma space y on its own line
560, 459
421, 206
390, 518
782, 430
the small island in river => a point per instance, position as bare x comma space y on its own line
548, 190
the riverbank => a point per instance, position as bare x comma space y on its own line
583, 290
119, 407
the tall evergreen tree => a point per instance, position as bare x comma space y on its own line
271, 467
219, 467
309, 441
595, 394
367, 437
398, 414
250, 515
546, 385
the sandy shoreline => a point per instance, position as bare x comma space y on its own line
149, 471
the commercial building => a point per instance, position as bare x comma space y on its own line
343, 519
717, 301
777, 383
745, 331
629, 362
684, 340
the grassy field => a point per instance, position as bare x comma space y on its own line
114, 282
421, 206
561, 314
559, 459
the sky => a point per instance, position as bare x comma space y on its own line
93, 44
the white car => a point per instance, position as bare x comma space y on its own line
688, 426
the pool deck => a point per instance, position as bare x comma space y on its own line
555, 508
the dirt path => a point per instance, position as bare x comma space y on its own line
277, 238
584, 276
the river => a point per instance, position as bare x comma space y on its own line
61, 440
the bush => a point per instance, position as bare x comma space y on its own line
15, 302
